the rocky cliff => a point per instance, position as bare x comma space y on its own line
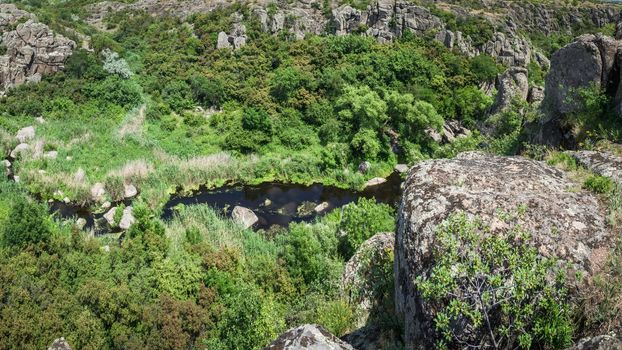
31, 48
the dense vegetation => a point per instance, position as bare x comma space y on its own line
155, 104
198, 281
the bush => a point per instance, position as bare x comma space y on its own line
497, 287
26, 224
362, 220
485, 68
599, 184
178, 95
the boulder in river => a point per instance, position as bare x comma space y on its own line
244, 216
109, 216
308, 337
129, 191
569, 225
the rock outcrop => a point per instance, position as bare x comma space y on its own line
479, 185
32, 49
601, 342
602, 163
236, 38
511, 85
588, 61
308, 337
59, 344
362, 273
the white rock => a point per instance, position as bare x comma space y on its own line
40, 120
26, 134
50, 155
127, 219
130, 191
98, 191
16, 178
6, 163
109, 216
80, 223
19, 149
66, 200
69, 158
320, 208
106, 205
244, 216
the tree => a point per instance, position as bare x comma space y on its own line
362, 107
365, 143
208, 92
412, 117
178, 95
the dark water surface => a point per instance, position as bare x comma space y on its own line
279, 204
273, 203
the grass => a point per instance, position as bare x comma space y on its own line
132, 149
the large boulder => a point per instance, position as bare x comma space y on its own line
588, 61
59, 344
564, 222
308, 337
244, 216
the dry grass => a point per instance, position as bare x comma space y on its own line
133, 171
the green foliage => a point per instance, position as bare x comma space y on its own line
599, 184
361, 220
178, 95
26, 224
485, 68
498, 286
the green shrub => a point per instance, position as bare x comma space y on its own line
599, 184
497, 286
361, 220
26, 224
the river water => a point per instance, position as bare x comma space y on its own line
274, 203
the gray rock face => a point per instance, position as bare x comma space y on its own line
357, 281
478, 185
244, 216
452, 130
602, 163
588, 61
308, 337
513, 84
601, 342
32, 50
20, 149
236, 38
